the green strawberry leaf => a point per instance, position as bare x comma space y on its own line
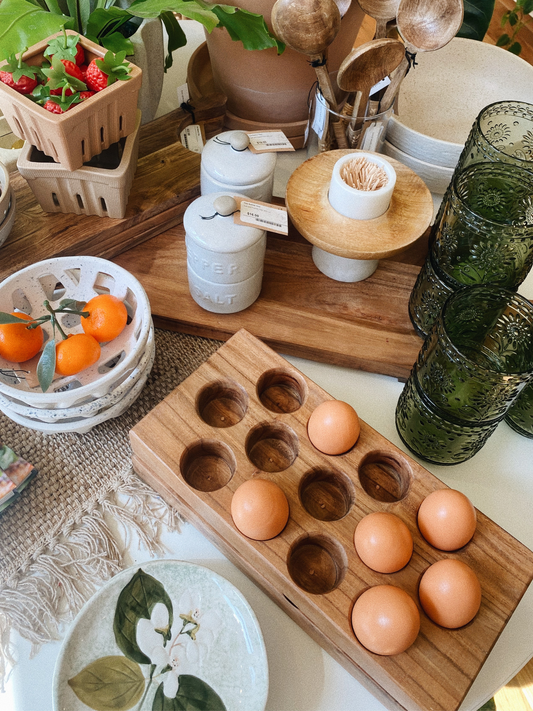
58, 77
110, 683
64, 46
47, 365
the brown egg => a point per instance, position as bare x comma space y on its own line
385, 620
383, 542
260, 509
450, 593
447, 519
333, 427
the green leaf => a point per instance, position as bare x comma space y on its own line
136, 601
176, 36
489, 706
116, 42
8, 318
527, 7
23, 24
504, 19
503, 40
515, 48
47, 365
193, 695
188, 8
247, 27
103, 22
109, 684
477, 17
513, 19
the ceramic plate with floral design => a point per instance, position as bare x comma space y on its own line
163, 636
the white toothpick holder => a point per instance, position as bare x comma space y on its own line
351, 230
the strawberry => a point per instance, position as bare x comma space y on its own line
20, 76
66, 47
53, 107
64, 77
104, 72
72, 70
84, 95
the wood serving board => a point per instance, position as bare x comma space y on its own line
300, 311
166, 180
243, 414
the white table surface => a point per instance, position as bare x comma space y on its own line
498, 480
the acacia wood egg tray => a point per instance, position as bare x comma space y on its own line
243, 414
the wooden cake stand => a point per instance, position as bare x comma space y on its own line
407, 218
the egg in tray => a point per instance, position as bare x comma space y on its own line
397, 576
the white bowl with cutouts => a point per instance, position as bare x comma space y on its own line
80, 278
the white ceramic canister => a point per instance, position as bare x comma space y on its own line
224, 260
228, 164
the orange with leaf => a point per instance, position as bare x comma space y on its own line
103, 318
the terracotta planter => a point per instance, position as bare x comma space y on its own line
264, 87
74, 137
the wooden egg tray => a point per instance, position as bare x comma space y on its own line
243, 414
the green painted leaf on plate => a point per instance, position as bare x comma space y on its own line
109, 684
193, 695
136, 601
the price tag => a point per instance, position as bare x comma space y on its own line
183, 94
273, 218
269, 141
379, 86
193, 137
319, 120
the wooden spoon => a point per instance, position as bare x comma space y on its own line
309, 27
364, 67
425, 26
382, 11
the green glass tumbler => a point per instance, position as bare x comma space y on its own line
520, 415
472, 366
502, 132
482, 235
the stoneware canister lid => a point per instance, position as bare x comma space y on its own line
227, 158
219, 234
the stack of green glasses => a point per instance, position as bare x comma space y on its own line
483, 233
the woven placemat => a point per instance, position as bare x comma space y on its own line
62, 510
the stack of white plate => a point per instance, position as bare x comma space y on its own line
440, 99
79, 402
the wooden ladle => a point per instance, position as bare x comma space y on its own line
382, 11
362, 68
425, 26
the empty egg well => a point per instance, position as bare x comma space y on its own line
385, 476
281, 391
208, 465
222, 403
271, 446
317, 564
326, 494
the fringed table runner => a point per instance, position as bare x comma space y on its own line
56, 548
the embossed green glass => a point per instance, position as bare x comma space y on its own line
470, 370
502, 132
482, 235
520, 414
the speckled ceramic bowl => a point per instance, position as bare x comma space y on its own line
78, 278
441, 96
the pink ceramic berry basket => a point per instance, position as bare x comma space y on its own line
78, 278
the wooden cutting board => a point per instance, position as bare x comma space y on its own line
243, 414
300, 311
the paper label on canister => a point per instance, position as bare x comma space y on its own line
193, 137
273, 218
269, 141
